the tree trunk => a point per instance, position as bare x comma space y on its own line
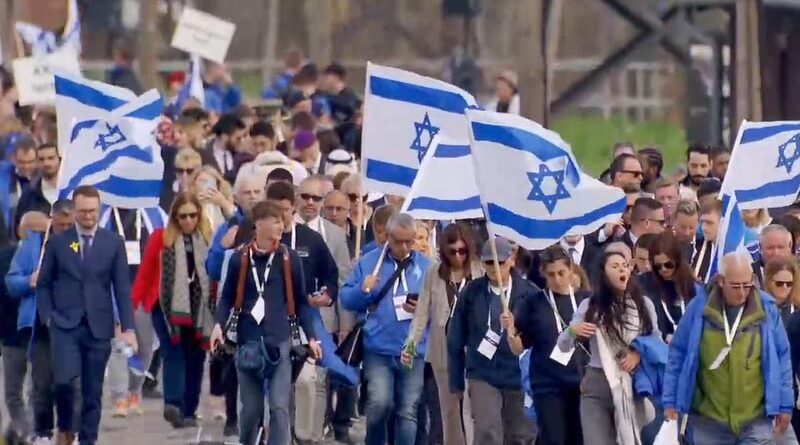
748, 62
148, 44
530, 60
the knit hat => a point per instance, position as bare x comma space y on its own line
303, 139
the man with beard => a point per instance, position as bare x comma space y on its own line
652, 163
698, 160
222, 152
14, 176
41, 192
720, 157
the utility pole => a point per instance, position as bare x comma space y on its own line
319, 26
531, 66
148, 44
748, 62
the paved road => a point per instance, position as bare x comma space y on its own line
151, 429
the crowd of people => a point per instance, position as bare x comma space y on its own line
268, 259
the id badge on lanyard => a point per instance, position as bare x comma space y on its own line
259, 309
491, 339
562, 357
133, 249
399, 300
730, 332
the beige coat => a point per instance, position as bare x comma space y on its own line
433, 307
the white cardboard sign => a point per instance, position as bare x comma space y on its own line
34, 75
203, 34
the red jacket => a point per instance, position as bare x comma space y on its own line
147, 284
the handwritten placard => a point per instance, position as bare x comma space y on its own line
203, 34
34, 75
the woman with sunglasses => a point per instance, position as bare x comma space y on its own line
782, 276
554, 376
615, 316
671, 283
173, 286
443, 283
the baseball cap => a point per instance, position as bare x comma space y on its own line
503, 250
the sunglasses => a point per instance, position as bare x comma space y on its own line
309, 196
184, 171
786, 284
354, 197
462, 251
669, 265
185, 216
635, 173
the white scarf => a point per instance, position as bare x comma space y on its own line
625, 416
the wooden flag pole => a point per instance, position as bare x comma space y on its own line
50, 223
360, 225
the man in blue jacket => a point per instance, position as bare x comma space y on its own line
383, 296
729, 363
21, 283
478, 343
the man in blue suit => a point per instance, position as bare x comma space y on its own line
82, 267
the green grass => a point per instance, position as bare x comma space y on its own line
592, 138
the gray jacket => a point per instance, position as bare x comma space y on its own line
433, 306
335, 318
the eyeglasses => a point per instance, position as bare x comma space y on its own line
184, 171
185, 216
462, 251
741, 286
354, 197
669, 265
309, 196
635, 173
786, 284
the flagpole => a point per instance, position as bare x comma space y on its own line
496, 262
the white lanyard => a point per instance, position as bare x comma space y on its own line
560, 323
293, 243
669, 316
731, 332
700, 259
397, 282
321, 228
464, 283
121, 229
260, 285
491, 293
19, 190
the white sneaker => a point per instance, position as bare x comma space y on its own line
42, 441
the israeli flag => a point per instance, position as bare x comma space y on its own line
43, 41
405, 112
444, 188
107, 139
193, 86
531, 187
730, 237
763, 171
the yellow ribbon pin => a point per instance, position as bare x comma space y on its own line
74, 246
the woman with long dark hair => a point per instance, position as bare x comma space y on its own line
615, 316
443, 281
671, 284
554, 376
173, 286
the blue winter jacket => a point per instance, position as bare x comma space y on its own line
680, 378
383, 334
24, 263
649, 376
216, 253
222, 99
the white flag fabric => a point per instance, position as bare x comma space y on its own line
404, 111
730, 237
106, 135
763, 171
531, 187
444, 188
193, 86
43, 41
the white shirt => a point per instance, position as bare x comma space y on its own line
223, 158
50, 193
579, 248
499, 292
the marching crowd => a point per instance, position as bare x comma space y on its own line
315, 302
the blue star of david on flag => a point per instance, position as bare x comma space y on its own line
426, 126
788, 152
538, 193
107, 140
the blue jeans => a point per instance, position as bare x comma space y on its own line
252, 392
392, 387
710, 432
182, 367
